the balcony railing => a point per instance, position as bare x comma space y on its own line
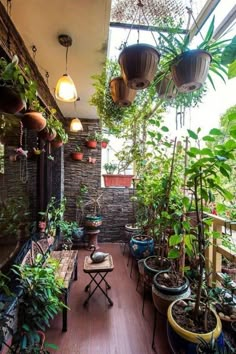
216, 250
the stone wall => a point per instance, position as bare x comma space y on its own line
116, 208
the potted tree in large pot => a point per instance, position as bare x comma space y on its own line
203, 174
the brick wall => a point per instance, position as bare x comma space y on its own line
116, 208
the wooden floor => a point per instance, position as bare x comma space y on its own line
102, 329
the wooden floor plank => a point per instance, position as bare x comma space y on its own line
102, 329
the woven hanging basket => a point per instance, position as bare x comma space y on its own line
121, 94
190, 70
138, 64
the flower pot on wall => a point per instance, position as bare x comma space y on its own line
45, 135
56, 143
190, 70
121, 94
138, 64
92, 144
104, 144
77, 156
34, 120
118, 180
10, 100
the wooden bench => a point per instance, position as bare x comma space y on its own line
67, 269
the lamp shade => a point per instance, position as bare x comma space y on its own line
65, 89
76, 125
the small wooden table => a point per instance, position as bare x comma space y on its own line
98, 269
67, 271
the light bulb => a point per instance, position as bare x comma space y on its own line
76, 125
65, 89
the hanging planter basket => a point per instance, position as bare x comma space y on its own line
46, 136
190, 70
56, 143
34, 120
10, 100
138, 64
121, 94
166, 88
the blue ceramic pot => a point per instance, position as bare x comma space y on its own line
141, 246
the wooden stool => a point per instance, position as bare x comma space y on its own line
98, 269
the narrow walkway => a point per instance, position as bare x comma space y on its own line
101, 329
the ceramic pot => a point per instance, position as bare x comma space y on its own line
184, 341
34, 120
45, 135
138, 64
190, 70
118, 180
10, 100
121, 94
163, 296
104, 144
141, 246
93, 222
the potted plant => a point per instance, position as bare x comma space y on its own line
49, 133
77, 154
189, 67
15, 91
33, 118
116, 180
138, 64
92, 139
62, 136
104, 142
68, 228
121, 94
202, 176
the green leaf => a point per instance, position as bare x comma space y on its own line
164, 129
224, 172
206, 151
208, 138
215, 131
174, 253
175, 240
229, 53
232, 70
192, 134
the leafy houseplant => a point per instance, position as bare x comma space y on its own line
33, 118
180, 60
39, 302
77, 154
49, 133
61, 137
104, 142
53, 215
110, 168
68, 228
92, 139
115, 180
16, 92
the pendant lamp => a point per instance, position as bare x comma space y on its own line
76, 125
65, 88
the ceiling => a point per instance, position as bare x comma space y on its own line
39, 22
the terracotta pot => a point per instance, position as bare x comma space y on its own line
118, 180
121, 94
104, 144
34, 120
56, 143
190, 70
166, 88
138, 64
77, 156
92, 144
10, 100
45, 135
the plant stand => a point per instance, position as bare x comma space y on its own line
92, 238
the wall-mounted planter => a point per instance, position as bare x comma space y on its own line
118, 180
10, 100
77, 156
121, 94
45, 135
34, 120
104, 144
92, 144
190, 70
138, 64
56, 143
